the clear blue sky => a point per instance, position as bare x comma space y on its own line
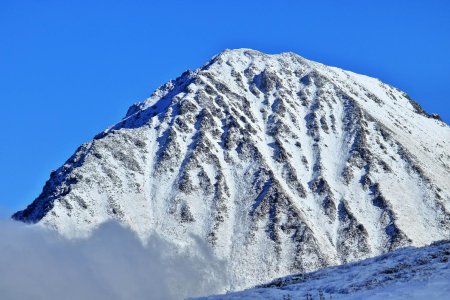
69, 69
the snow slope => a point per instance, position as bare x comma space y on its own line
282, 164
409, 273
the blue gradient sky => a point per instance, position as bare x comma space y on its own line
69, 69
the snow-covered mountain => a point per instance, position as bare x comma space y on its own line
282, 164
409, 273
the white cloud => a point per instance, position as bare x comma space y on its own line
112, 264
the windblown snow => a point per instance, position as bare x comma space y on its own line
281, 164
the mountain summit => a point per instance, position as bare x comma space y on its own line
282, 164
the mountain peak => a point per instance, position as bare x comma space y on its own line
280, 163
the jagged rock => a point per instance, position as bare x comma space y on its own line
353, 237
436, 117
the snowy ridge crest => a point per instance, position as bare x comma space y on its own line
409, 273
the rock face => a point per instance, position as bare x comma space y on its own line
282, 164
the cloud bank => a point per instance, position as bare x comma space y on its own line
112, 264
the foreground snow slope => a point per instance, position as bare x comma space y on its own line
410, 273
282, 164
